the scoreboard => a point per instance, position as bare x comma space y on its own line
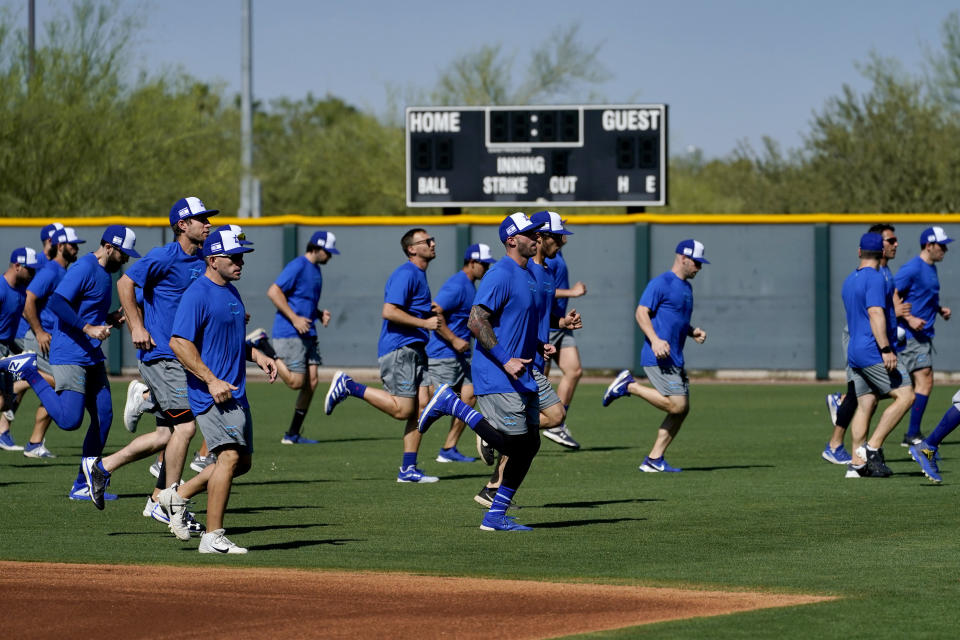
568, 155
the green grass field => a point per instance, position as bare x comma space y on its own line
755, 509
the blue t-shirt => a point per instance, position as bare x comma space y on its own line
919, 285
543, 300
507, 291
455, 297
11, 310
301, 283
406, 288
864, 288
163, 275
561, 281
42, 285
670, 300
211, 316
88, 289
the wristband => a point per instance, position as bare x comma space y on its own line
499, 353
886, 349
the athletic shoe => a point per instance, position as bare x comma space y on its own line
258, 338
175, 508
617, 388
135, 406
96, 479
39, 450
656, 466
486, 452
876, 464
9, 415
923, 454
836, 456
561, 435
217, 542
486, 495
83, 493
296, 438
440, 405
857, 472
452, 455
155, 511
501, 522
202, 462
20, 365
337, 392
155, 468
910, 441
412, 474
833, 405
7, 443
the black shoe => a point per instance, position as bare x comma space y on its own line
486, 452
876, 465
909, 441
485, 496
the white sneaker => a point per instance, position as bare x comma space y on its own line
155, 469
135, 406
216, 542
176, 510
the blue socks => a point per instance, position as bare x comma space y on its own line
502, 500
947, 424
916, 414
354, 388
409, 460
466, 413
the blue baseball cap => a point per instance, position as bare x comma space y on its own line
25, 256
237, 229
514, 224
67, 235
47, 231
122, 238
693, 250
325, 240
934, 234
224, 242
479, 252
871, 242
552, 223
189, 207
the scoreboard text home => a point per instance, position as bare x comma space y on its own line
609, 155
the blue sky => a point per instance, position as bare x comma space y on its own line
730, 71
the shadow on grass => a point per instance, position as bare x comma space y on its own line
38, 463
333, 440
731, 466
274, 527
593, 504
265, 483
297, 544
563, 524
249, 510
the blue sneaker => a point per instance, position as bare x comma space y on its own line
412, 474
501, 522
296, 438
657, 466
7, 443
337, 392
440, 405
258, 338
617, 388
924, 455
833, 405
452, 455
83, 493
38, 450
20, 365
836, 456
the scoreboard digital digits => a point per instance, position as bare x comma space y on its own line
610, 155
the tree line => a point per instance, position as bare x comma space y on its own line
85, 135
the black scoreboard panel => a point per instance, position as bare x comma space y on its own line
609, 155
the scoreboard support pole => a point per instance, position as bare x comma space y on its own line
641, 276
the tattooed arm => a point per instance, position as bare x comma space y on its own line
480, 327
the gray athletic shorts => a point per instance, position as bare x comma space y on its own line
510, 413
916, 355
877, 380
562, 338
404, 370
669, 380
225, 424
297, 353
30, 344
452, 371
546, 396
80, 378
167, 380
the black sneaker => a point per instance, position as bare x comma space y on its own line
96, 480
486, 452
912, 441
876, 465
485, 496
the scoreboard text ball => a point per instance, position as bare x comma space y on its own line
611, 155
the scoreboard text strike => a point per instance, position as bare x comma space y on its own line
612, 155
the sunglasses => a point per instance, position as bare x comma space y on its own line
892, 240
430, 240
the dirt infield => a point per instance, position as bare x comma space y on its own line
74, 600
